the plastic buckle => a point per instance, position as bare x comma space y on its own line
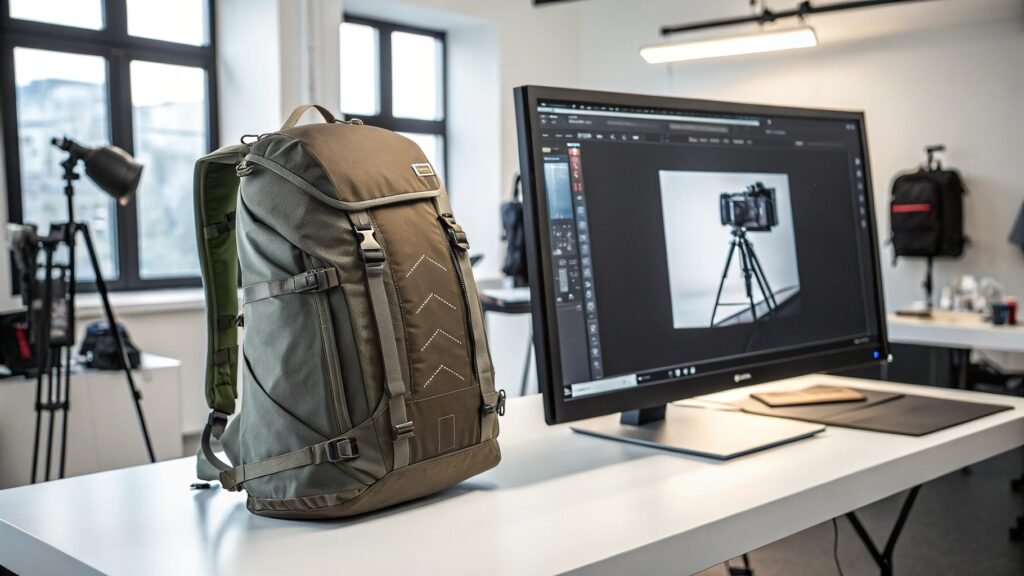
501, 402
309, 281
404, 430
456, 235
340, 449
370, 251
216, 422
498, 406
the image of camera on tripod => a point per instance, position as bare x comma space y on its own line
740, 267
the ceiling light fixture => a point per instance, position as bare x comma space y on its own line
732, 45
765, 41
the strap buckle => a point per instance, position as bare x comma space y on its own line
340, 449
404, 430
456, 235
316, 280
217, 421
370, 251
498, 406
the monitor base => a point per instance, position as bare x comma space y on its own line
714, 434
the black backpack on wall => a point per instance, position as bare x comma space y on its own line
927, 213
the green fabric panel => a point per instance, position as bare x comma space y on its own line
216, 195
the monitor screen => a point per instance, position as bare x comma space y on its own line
679, 247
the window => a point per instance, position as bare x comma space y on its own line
393, 76
125, 72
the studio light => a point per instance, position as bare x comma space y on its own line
732, 45
110, 167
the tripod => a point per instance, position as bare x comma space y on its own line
751, 268
54, 354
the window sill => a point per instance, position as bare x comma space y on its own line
142, 302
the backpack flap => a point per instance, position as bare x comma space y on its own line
216, 196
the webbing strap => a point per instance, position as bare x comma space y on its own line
334, 450
493, 402
223, 227
215, 425
311, 281
374, 259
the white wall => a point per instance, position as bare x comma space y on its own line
932, 72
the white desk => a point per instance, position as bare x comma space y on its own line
559, 502
963, 330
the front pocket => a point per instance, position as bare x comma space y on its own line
330, 348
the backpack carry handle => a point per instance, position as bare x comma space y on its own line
293, 118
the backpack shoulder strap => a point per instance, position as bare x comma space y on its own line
216, 197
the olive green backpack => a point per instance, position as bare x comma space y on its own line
366, 378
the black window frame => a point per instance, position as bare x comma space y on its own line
385, 117
113, 43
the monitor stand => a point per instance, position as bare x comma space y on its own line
718, 434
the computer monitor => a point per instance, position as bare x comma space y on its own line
681, 247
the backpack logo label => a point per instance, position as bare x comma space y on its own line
423, 170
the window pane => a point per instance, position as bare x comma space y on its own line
169, 115
360, 93
416, 77
185, 23
77, 13
60, 94
433, 148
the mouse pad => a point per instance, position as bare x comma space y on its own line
885, 412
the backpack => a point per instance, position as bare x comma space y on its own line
366, 376
515, 236
927, 213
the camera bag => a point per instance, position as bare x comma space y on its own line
366, 375
100, 350
927, 215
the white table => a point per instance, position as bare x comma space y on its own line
963, 330
560, 502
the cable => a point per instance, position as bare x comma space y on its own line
835, 546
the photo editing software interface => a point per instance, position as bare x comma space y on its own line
684, 242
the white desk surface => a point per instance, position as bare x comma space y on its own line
956, 330
559, 502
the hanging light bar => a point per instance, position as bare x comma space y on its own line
733, 45
765, 41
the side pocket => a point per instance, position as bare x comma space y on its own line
330, 347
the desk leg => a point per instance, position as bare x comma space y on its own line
884, 558
961, 361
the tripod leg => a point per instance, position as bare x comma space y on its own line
66, 407
745, 266
101, 287
725, 272
758, 269
42, 355
53, 399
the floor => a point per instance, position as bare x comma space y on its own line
958, 526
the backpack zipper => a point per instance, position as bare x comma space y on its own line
457, 238
330, 352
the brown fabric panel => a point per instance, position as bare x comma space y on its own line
364, 162
413, 481
429, 299
460, 407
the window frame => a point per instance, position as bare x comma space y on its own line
113, 43
385, 117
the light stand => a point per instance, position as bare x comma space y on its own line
750, 266
117, 174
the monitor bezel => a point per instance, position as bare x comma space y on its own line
796, 363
